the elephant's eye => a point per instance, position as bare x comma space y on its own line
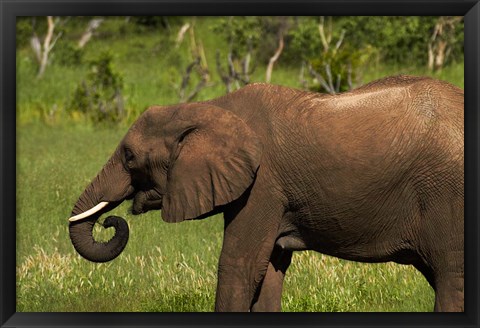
128, 156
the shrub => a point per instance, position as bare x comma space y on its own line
327, 54
342, 68
403, 40
99, 97
66, 53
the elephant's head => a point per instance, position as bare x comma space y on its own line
186, 160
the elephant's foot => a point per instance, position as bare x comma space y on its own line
232, 298
269, 293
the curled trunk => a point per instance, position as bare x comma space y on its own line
81, 234
109, 189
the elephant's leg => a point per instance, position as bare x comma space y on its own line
449, 295
249, 238
441, 250
449, 273
448, 286
269, 298
449, 282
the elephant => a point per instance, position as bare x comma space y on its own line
374, 174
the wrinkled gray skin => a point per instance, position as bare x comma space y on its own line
371, 175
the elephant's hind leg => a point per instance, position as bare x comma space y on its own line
449, 283
269, 293
441, 243
446, 280
449, 295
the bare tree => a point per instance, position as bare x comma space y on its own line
197, 49
274, 58
43, 49
227, 76
184, 97
92, 26
439, 45
331, 83
181, 34
232, 75
198, 65
325, 38
280, 37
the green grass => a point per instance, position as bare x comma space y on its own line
165, 267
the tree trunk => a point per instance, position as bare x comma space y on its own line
274, 58
87, 35
46, 46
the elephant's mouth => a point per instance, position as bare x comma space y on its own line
144, 201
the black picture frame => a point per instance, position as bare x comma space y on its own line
9, 10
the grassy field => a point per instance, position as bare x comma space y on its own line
165, 267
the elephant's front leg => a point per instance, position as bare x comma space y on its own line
249, 237
269, 294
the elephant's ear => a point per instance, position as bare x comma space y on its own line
214, 160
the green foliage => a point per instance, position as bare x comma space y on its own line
23, 31
239, 33
346, 65
100, 95
243, 37
336, 65
304, 42
67, 54
156, 22
257, 34
401, 39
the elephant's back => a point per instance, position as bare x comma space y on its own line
362, 140
388, 118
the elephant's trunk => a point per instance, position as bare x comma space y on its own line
81, 234
107, 191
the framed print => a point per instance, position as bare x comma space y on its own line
335, 139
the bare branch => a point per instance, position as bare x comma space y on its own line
339, 80
193, 42
274, 58
330, 29
439, 45
186, 78
92, 26
226, 78
349, 76
431, 56
36, 47
303, 81
340, 40
201, 52
55, 41
319, 78
200, 85
231, 67
329, 75
246, 63
181, 34
321, 30
232, 76
46, 46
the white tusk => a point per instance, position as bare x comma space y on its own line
91, 211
